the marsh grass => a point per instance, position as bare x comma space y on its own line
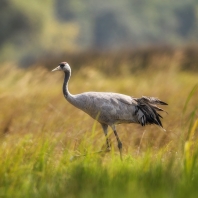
41, 132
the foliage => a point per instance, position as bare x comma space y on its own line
31, 30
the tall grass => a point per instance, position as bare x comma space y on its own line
191, 144
41, 132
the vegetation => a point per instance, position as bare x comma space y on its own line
30, 30
41, 133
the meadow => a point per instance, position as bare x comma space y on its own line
47, 146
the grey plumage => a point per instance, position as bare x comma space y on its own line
110, 109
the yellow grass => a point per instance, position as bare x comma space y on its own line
40, 131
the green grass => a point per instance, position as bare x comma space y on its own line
33, 168
41, 132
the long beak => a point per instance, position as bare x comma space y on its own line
57, 69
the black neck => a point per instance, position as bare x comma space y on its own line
65, 84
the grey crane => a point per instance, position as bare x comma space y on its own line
110, 109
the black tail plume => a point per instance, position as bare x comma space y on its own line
149, 108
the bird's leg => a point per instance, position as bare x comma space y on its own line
118, 140
105, 127
119, 143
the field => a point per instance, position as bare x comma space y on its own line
41, 133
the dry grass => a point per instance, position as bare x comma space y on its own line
40, 130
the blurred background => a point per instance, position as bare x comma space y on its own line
32, 31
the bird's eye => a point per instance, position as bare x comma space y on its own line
61, 65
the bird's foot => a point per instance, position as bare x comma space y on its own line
121, 155
108, 149
120, 149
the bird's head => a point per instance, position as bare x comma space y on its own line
63, 66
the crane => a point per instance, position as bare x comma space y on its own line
110, 109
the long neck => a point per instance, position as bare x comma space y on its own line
65, 85
69, 97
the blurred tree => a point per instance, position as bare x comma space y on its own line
13, 22
186, 17
109, 32
31, 29
20, 27
131, 23
64, 10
